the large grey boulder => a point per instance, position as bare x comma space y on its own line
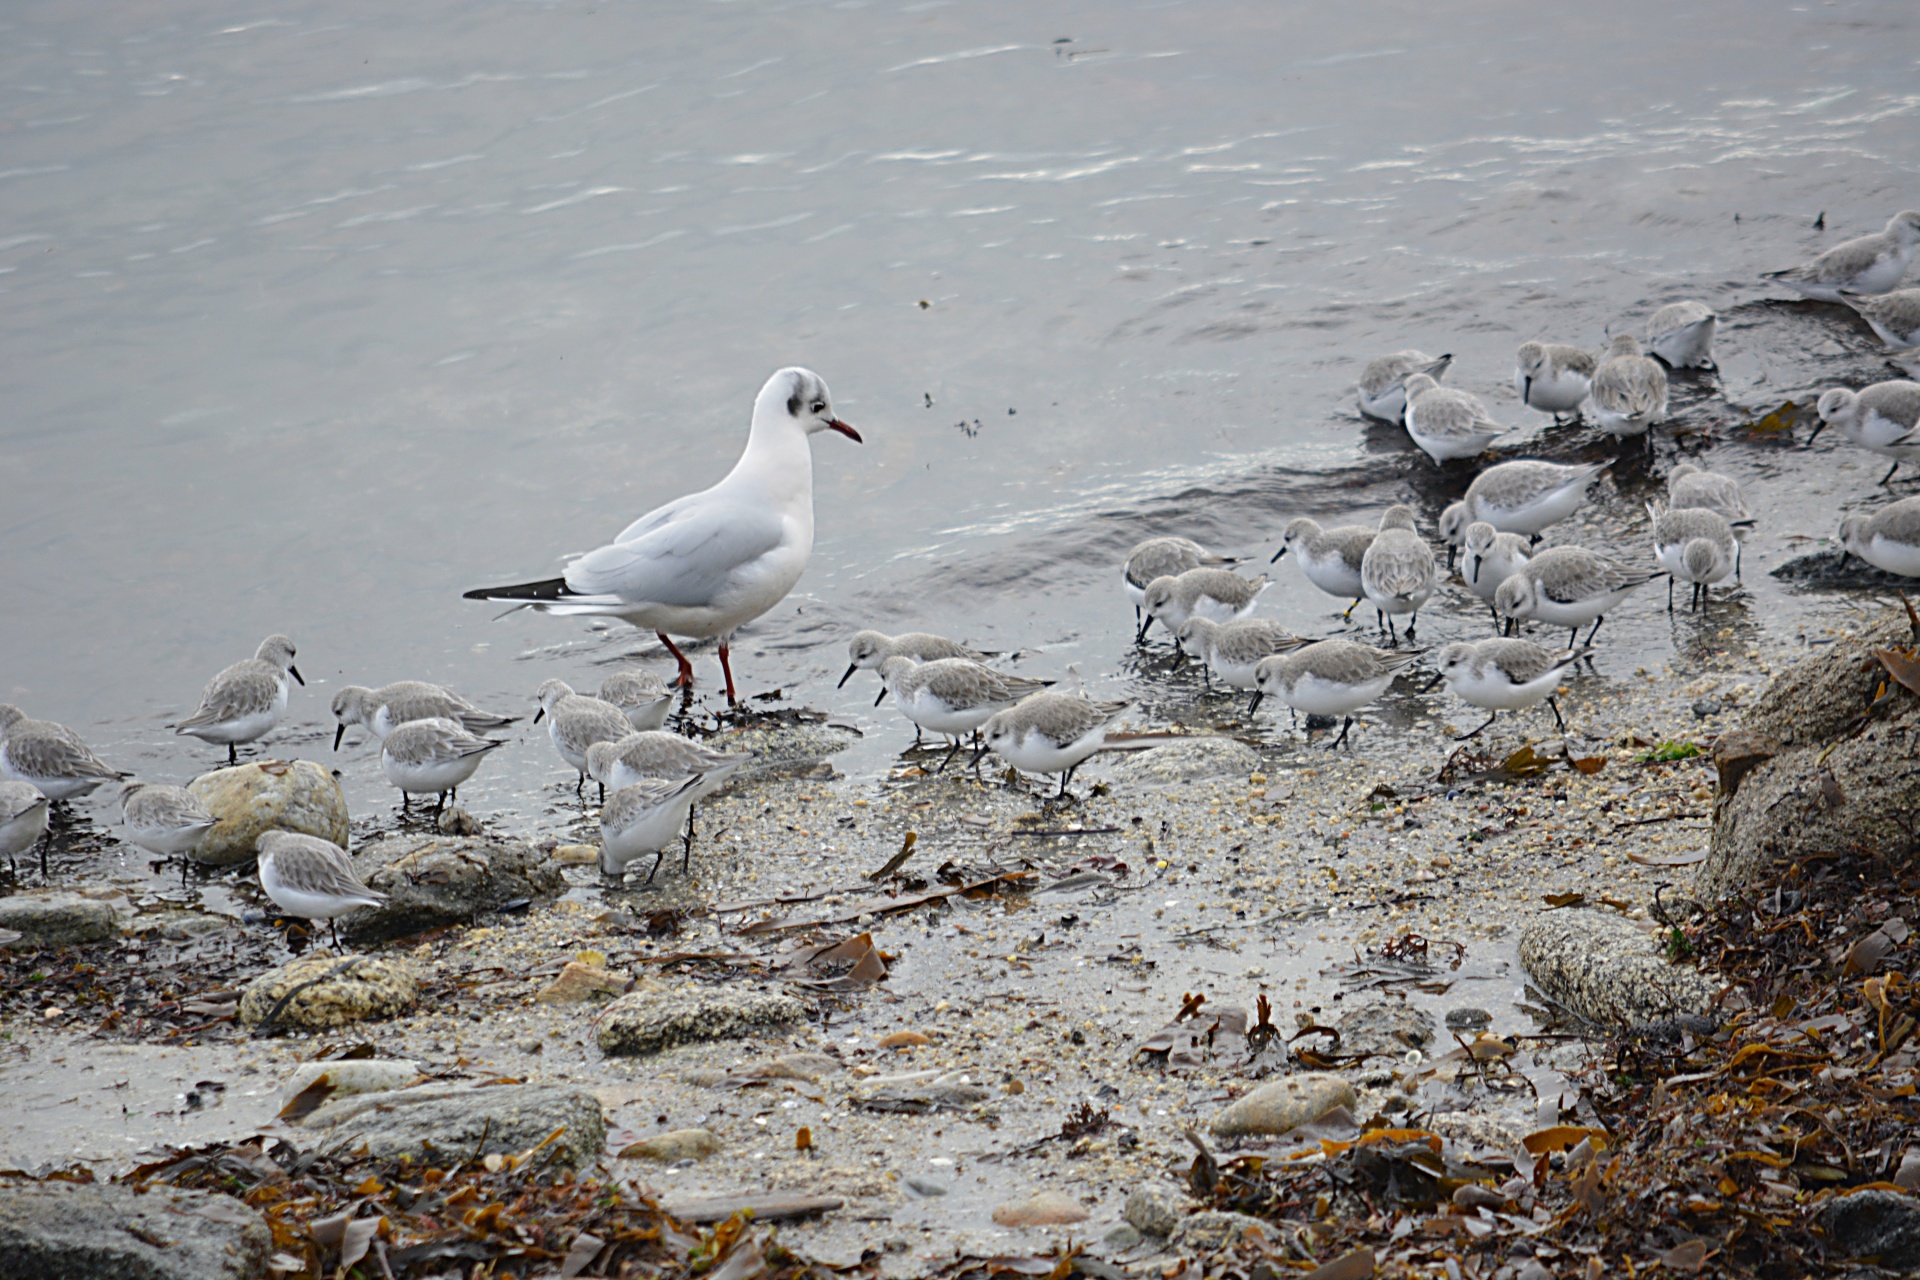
267, 795
435, 1122
97, 1231
1806, 775
1606, 971
56, 918
647, 1022
1883, 1225
435, 880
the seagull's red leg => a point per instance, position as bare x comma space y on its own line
732, 701
685, 679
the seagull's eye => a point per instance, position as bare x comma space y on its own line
819, 406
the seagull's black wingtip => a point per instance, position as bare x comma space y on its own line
523, 593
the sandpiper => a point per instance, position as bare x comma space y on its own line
1629, 391
1527, 495
433, 756
1199, 593
952, 696
50, 756
868, 649
23, 822
379, 710
576, 722
1446, 423
1049, 733
1888, 539
1552, 377
1330, 678
645, 817
1693, 545
244, 702
169, 821
1895, 316
1883, 418
640, 693
1503, 675
660, 755
1568, 587
1397, 573
1331, 558
1490, 558
1383, 391
1232, 650
1866, 264
311, 878
1681, 333
1154, 558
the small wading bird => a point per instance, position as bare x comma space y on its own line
704, 565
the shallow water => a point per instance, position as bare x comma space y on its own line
320, 315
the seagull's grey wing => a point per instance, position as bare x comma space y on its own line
685, 559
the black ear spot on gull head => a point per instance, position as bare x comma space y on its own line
798, 399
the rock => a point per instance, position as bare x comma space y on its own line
267, 795
455, 821
348, 1076
1468, 1018
1215, 1229
1833, 785
678, 1144
1285, 1104
433, 1122
1880, 1224
1042, 1209
436, 880
578, 982
104, 1231
1155, 1211
576, 855
784, 750
320, 991
56, 918
1736, 755
903, 1040
1707, 708
1386, 1026
647, 1022
925, 1187
1190, 760
924, 1099
1121, 1239
1603, 970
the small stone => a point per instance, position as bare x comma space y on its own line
925, 1187
321, 991
903, 1040
1215, 1229
1188, 760
1285, 1104
56, 918
1042, 1209
1468, 1018
1739, 753
1120, 1239
354, 1075
647, 1022
267, 795
679, 1144
92, 1229
445, 1122
455, 821
1707, 708
1155, 1211
1385, 1027
1475, 1196
576, 855
579, 982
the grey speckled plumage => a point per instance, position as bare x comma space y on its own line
244, 701
1865, 264
50, 756
1231, 650
23, 820
1336, 661
642, 694
311, 878
1568, 587
1883, 418
164, 820
657, 754
959, 683
1207, 593
1383, 381
646, 816
1489, 557
1528, 495
1331, 558
1447, 423
1895, 316
868, 650
433, 756
1888, 538
1693, 545
1398, 572
1629, 389
379, 710
1689, 486
1552, 377
1050, 732
1681, 333
575, 723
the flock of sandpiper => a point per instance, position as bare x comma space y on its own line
703, 565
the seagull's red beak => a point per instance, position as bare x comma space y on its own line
845, 430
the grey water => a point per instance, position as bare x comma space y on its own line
316, 315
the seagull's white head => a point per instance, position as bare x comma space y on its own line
800, 396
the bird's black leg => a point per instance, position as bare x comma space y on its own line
1888, 478
1591, 634
1411, 619
1477, 732
333, 926
1343, 734
1669, 595
686, 853
1555, 708
948, 758
580, 786
603, 792
659, 856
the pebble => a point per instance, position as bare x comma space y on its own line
354, 1075
576, 855
1468, 1018
1285, 1104
903, 1040
677, 1144
1121, 1238
267, 795
1707, 708
1042, 1209
581, 982
1216, 1229
1605, 970
645, 1022
925, 1187
1385, 1027
1154, 1211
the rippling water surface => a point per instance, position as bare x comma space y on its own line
318, 314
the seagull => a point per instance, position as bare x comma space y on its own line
705, 564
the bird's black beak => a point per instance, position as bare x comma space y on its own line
339, 732
295, 673
1428, 687
1276, 555
845, 430
1526, 391
1817, 430
1475, 579
883, 696
536, 715
1140, 636
851, 668
1253, 705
